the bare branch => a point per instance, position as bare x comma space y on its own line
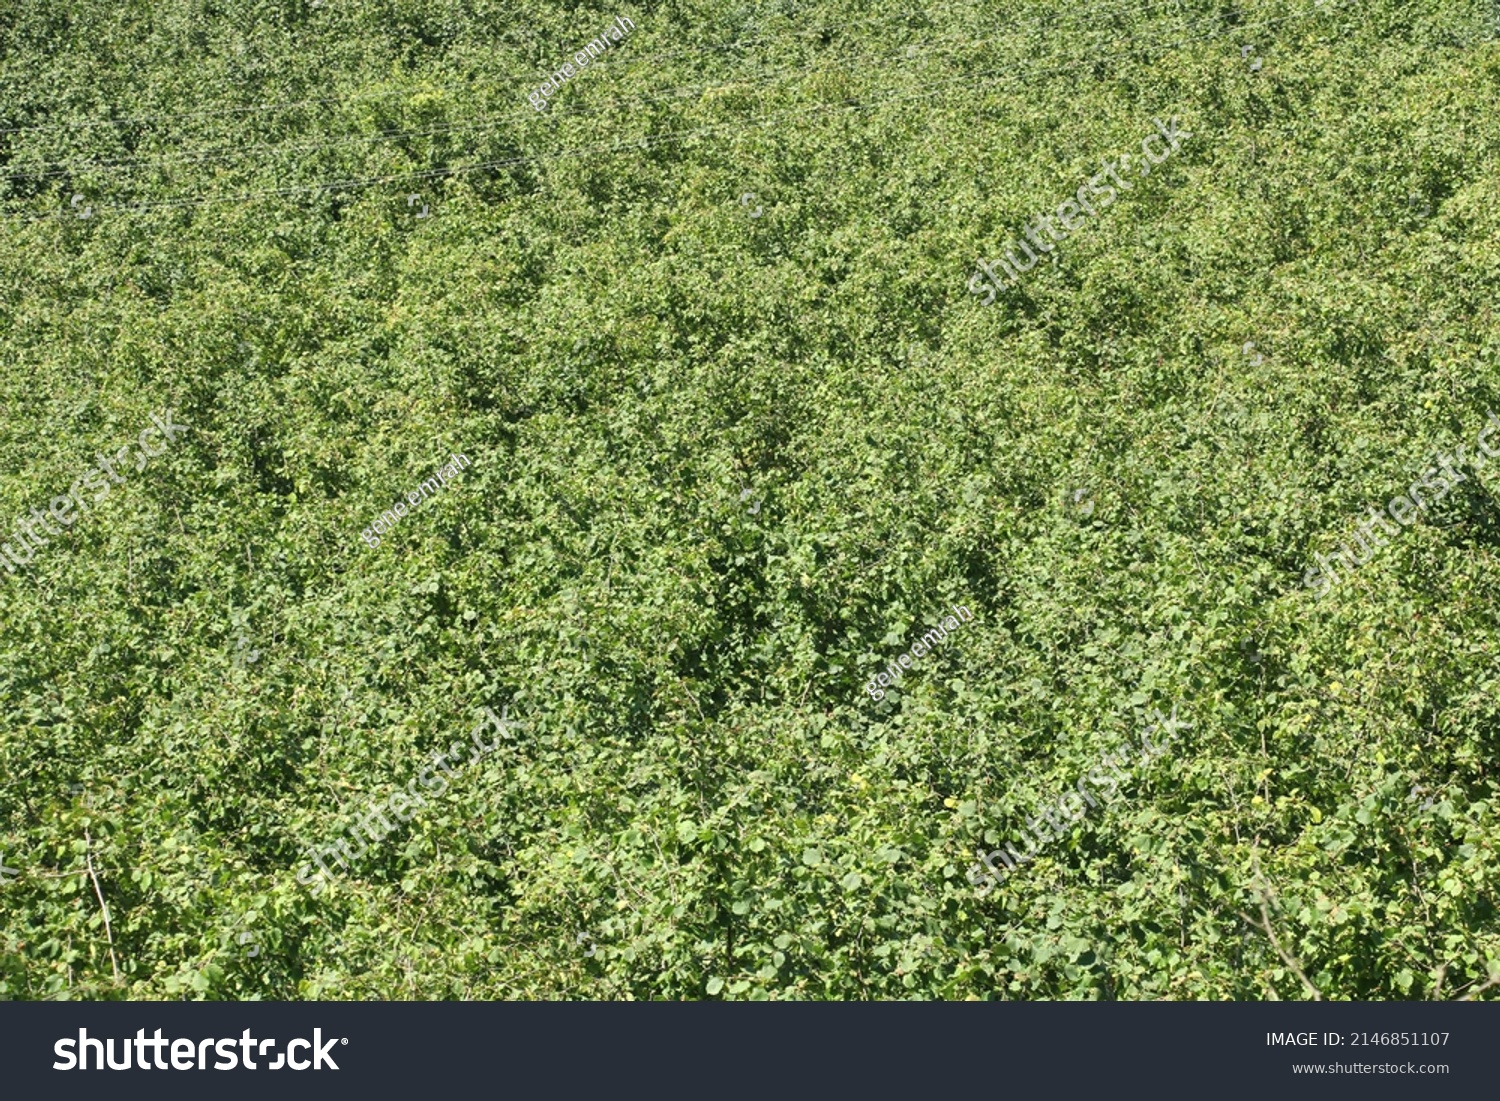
1265, 926
1491, 981
88, 844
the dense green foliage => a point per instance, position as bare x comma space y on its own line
704, 801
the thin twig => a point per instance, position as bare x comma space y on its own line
665, 864
692, 697
1491, 981
1265, 926
88, 844
626, 883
